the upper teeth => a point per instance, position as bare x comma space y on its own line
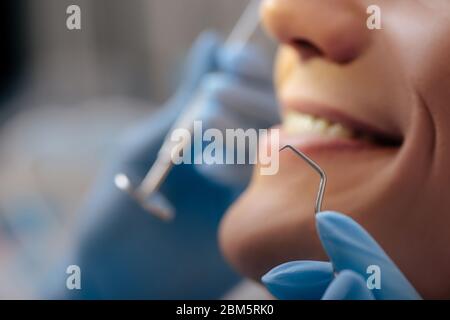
296, 122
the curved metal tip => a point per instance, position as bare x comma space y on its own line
318, 169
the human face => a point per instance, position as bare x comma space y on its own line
371, 107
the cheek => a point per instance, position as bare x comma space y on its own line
429, 73
433, 76
427, 65
420, 39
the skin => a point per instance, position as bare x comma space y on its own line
396, 80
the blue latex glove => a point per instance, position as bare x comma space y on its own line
127, 253
240, 96
351, 250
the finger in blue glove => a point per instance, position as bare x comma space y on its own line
348, 285
299, 280
351, 250
350, 247
201, 60
250, 62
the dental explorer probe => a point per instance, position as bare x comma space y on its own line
240, 36
319, 170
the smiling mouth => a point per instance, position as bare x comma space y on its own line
311, 129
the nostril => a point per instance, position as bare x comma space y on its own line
306, 49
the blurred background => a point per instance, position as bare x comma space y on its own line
64, 97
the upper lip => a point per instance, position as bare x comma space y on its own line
337, 116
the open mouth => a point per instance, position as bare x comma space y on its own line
318, 127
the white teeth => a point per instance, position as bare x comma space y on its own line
296, 122
338, 130
321, 125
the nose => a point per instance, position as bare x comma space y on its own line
331, 29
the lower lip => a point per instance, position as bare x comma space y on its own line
313, 144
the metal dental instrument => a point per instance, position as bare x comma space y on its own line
146, 191
315, 166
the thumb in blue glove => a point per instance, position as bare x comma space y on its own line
351, 250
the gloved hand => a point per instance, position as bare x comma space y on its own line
351, 250
125, 252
